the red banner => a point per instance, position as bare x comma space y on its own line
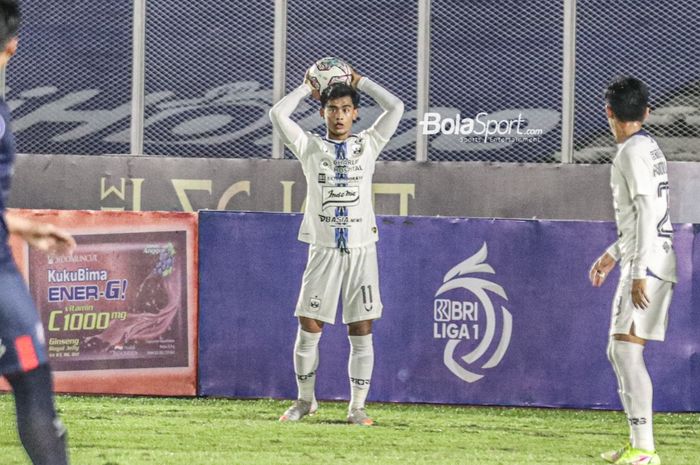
120, 312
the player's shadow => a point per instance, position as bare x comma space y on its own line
331, 421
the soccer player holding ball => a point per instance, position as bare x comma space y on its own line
647, 262
340, 227
23, 358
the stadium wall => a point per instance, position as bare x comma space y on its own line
476, 311
464, 189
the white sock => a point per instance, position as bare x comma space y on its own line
635, 390
306, 363
616, 369
360, 367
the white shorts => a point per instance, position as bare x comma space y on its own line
327, 272
649, 323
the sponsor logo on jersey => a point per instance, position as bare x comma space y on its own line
330, 179
347, 166
339, 221
469, 313
340, 196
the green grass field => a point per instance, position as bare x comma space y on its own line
154, 431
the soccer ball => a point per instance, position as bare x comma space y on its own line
328, 71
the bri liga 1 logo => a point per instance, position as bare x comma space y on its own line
477, 331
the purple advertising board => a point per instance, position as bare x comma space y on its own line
476, 311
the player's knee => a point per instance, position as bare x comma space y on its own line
360, 328
631, 337
310, 325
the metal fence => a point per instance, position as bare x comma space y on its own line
500, 81
659, 42
209, 78
367, 34
502, 60
69, 87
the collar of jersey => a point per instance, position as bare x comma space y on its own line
642, 132
337, 142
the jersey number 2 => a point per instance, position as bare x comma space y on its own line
664, 228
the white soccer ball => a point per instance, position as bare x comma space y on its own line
328, 71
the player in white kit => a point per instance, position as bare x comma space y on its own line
644, 249
339, 226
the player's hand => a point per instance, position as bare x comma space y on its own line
49, 238
600, 269
315, 94
355, 78
42, 236
640, 299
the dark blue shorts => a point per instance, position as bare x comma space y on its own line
22, 346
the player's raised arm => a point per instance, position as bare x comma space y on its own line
389, 120
290, 132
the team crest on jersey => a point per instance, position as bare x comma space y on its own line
469, 313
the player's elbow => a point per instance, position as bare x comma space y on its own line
278, 112
274, 114
643, 203
399, 107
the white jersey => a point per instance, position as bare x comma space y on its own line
339, 211
339, 189
639, 169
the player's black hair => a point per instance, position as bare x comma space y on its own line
628, 98
340, 90
9, 20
